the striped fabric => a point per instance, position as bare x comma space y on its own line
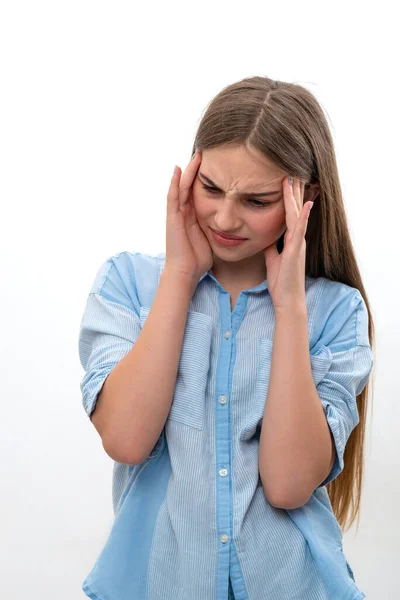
193, 514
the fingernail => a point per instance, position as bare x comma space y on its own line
290, 180
174, 169
311, 205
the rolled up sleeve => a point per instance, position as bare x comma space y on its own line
341, 367
108, 332
110, 326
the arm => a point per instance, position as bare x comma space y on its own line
296, 451
136, 397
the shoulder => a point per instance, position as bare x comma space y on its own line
331, 292
337, 310
128, 277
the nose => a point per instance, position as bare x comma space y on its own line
226, 218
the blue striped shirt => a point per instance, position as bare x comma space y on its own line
192, 520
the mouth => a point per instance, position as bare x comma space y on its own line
226, 241
227, 237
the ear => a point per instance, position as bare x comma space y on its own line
311, 192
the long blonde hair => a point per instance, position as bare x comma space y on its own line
285, 122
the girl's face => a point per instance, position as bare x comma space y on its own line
233, 208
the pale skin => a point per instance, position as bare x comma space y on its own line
296, 451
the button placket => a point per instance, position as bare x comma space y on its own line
223, 471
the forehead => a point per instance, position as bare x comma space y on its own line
233, 165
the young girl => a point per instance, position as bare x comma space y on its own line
228, 377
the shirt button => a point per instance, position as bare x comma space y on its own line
227, 334
223, 472
222, 399
224, 538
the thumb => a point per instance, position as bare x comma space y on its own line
271, 253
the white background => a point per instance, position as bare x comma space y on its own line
98, 102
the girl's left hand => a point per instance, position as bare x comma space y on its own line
286, 271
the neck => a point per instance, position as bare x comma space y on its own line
242, 274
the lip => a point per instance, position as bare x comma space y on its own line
226, 241
228, 237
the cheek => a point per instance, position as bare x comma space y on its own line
201, 204
271, 223
197, 205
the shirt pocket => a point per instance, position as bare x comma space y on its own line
320, 364
188, 403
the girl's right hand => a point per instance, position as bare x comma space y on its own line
188, 251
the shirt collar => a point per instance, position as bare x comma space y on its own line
258, 288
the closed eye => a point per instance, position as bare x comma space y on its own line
259, 204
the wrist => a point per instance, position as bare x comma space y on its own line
179, 279
296, 309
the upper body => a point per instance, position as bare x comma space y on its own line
194, 513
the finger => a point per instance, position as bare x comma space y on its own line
298, 194
291, 208
188, 178
301, 227
301, 194
173, 192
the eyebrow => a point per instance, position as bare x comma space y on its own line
244, 194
